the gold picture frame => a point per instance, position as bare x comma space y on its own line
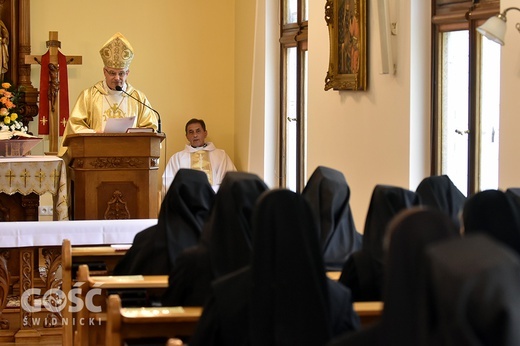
347, 23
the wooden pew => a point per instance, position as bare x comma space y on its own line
128, 323
131, 323
368, 312
81, 254
334, 275
90, 328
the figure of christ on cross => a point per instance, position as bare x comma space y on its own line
53, 87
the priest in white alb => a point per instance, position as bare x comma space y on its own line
200, 155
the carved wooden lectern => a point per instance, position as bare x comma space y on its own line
114, 175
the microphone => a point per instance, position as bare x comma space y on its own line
118, 88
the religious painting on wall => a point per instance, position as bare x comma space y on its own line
347, 23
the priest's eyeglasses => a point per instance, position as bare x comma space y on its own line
114, 74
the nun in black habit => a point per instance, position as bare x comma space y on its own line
496, 214
475, 282
284, 297
225, 245
183, 211
328, 194
440, 193
363, 271
405, 305
514, 194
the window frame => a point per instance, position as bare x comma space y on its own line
293, 35
453, 15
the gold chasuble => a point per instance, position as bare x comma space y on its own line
200, 161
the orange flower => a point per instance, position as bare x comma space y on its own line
9, 120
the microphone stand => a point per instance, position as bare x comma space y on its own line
118, 88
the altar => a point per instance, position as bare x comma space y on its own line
30, 257
24, 179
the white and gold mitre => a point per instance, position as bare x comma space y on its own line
117, 52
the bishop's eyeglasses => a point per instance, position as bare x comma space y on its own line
114, 74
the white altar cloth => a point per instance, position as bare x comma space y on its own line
80, 232
36, 174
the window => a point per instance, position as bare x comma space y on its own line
293, 43
466, 88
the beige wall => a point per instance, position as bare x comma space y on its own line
218, 60
184, 56
509, 166
244, 57
379, 136
257, 130
375, 136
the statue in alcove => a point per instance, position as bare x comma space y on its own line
4, 50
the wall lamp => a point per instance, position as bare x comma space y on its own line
495, 27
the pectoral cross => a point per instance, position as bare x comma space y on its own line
52, 90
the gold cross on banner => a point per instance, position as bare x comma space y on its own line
43, 120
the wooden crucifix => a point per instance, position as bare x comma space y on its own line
54, 95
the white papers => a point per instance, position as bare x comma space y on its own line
120, 247
119, 125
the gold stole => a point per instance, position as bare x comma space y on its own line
200, 161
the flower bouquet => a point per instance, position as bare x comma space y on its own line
14, 139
